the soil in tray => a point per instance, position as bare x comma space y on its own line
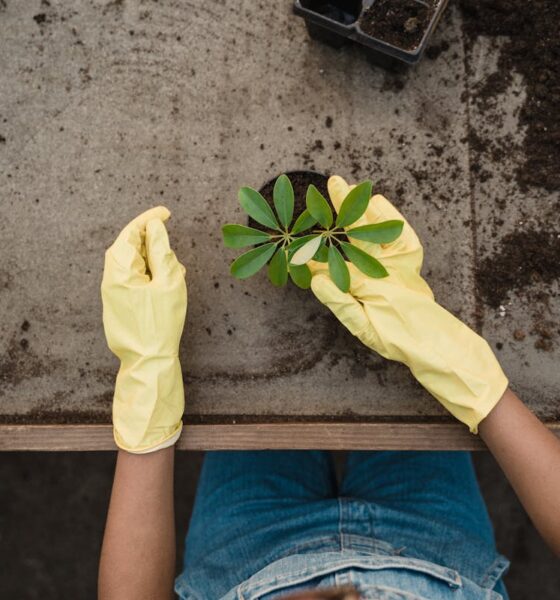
301, 180
401, 23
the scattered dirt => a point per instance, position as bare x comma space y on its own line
40, 18
347, 416
525, 258
19, 362
524, 262
435, 50
57, 417
519, 335
401, 24
533, 50
545, 332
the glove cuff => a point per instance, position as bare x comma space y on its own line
486, 405
148, 404
473, 407
160, 445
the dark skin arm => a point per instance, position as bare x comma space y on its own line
529, 455
138, 554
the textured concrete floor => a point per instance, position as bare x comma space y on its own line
107, 108
62, 499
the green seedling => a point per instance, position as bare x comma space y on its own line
287, 245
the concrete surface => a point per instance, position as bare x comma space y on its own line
63, 498
109, 107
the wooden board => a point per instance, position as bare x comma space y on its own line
304, 436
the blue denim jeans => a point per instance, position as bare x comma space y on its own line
401, 525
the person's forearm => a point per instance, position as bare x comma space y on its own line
138, 553
529, 455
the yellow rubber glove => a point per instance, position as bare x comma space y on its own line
398, 317
144, 307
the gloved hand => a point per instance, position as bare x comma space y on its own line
144, 307
398, 317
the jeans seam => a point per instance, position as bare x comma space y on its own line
303, 546
494, 573
249, 589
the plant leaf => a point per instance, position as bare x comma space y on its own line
338, 269
303, 222
249, 263
278, 268
322, 255
354, 205
378, 233
307, 251
238, 236
257, 207
301, 276
298, 243
363, 261
319, 207
283, 196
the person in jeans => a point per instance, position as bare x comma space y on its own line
276, 524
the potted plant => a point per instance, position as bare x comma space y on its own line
287, 240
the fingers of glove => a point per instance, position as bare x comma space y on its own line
128, 248
161, 259
407, 272
344, 306
379, 210
357, 278
338, 190
316, 267
140, 222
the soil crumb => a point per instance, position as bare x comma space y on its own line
401, 24
435, 50
532, 50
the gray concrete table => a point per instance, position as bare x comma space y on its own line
107, 108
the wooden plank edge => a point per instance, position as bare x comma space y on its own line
257, 436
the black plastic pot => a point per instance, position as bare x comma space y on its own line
337, 22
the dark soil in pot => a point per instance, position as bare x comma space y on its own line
301, 180
400, 23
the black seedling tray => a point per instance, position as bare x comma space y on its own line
337, 22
